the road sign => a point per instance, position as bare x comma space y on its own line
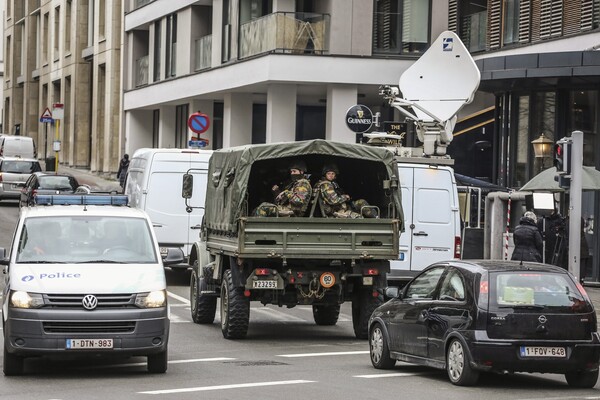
198, 122
58, 111
198, 143
46, 116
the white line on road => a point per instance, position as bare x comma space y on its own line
191, 360
224, 387
278, 315
341, 318
374, 376
177, 297
337, 353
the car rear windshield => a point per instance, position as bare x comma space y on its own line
58, 182
20, 167
544, 291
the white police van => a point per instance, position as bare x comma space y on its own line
84, 277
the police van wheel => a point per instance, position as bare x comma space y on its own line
235, 309
363, 305
157, 363
326, 314
203, 307
12, 364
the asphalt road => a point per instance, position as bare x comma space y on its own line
286, 356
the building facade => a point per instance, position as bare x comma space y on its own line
65, 52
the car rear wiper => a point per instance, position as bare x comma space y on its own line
101, 262
525, 306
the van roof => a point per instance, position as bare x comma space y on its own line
146, 152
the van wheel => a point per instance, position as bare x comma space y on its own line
363, 305
157, 363
12, 365
235, 309
203, 307
326, 314
582, 379
457, 365
379, 349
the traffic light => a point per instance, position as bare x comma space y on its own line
562, 156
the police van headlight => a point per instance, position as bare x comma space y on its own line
155, 299
20, 299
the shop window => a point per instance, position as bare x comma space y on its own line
401, 26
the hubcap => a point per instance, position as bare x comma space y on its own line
376, 345
456, 360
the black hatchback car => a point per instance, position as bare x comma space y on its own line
489, 315
47, 183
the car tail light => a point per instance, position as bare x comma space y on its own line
457, 243
262, 271
247, 293
371, 272
582, 290
484, 291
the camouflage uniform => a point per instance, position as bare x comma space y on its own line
337, 204
292, 201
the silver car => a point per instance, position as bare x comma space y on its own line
14, 172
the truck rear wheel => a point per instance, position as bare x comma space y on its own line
326, 314
363, 305
235, 309
203, 307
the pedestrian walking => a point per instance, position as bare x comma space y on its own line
122, 172
528, 239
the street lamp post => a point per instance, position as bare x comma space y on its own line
542, 148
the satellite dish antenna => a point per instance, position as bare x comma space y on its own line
434, 89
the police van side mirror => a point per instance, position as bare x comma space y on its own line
187, 188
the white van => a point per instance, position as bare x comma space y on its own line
431, 216
84, 277
154, 184
17, 146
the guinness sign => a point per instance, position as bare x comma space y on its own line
359, 118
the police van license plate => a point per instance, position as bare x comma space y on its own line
89, 343
538, 351
264, 284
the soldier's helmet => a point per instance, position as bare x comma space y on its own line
330, 167
298, 164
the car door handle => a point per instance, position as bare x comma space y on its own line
196, 227
421, 233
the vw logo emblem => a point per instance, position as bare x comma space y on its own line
542, 319
89, 302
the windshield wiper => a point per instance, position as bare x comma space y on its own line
525, 306
101, 262
40, 262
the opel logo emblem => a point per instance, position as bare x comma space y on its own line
542, 319
89, 302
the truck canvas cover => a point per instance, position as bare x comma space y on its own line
240, 178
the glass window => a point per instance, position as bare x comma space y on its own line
401, 26
541, 291
583, 108
20, 167
453, 287
423, 287
510, 22
523, 142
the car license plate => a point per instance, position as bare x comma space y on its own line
264, 284
89, 343
538, 351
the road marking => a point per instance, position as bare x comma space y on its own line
374, 376
177, 297
341, 318
336, 353
142, 364
278, 315
225, 387
179, 305
174, 319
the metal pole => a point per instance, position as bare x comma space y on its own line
46, 142
575, 204
56, 138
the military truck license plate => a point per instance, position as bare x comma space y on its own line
264, 285
89, 343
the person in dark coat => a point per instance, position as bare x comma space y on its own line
122, 172
527, 239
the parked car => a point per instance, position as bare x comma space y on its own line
49, 183
489, 315
14, 172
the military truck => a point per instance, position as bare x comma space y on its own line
289, 261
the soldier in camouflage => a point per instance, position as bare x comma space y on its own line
335, 202
293, 200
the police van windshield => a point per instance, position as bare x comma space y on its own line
83, 239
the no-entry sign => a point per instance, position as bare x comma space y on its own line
198, 122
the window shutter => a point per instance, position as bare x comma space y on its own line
494, 23
587, 15
525, 21
572, 13
453, 16
551, 18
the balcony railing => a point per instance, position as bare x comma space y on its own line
473, 30
203, 52
141, 71
297, 33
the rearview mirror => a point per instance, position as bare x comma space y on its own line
187, 188
391, 292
